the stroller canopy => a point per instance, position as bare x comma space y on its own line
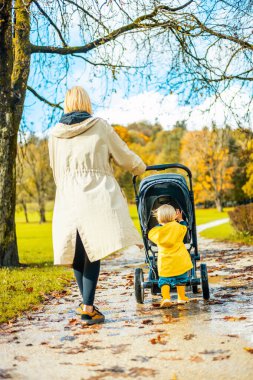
170, 185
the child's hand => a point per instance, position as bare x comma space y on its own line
179, 215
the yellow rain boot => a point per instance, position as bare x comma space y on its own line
166, 302
181, 297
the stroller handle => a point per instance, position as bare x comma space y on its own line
170, 166
164, 167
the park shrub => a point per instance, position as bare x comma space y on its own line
242, 219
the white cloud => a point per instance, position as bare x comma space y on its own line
153, 106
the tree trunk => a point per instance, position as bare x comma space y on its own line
25, 210
42, 212
8, 143
14, 69
218, 204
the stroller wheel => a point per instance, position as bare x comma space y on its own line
204, 281
152, 277
138, 285
194, 289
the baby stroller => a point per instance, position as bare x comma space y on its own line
155, 190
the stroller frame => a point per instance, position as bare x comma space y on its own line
150, 254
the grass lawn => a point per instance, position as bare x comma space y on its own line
225, 232
208, 215
24, 288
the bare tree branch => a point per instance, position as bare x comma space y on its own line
223, 36
51, 22
54, 105
137, 23
87, 13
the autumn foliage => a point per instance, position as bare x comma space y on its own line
221, 159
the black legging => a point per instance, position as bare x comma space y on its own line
86, 273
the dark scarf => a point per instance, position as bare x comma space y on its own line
74, 117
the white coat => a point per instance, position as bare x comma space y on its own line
88, 197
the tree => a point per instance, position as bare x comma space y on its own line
169, 143
248, 187
30, 29
145, 127
37, 179
240, 156
23, 197
206, 152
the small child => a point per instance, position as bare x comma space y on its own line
174, 260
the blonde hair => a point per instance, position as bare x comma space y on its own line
77, 99
165, 214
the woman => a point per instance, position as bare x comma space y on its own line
91, 218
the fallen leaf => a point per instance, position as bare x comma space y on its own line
169, 319
173, 358
139, 371
118, 349
56, 346
214, 302
11, 287
73, 351
83, 332
5, 374
21, 358
228, 295
35, 308
66, 363
147, 322
248, 349
73, 322
158, 340
221, 357
189, 336
233, 319
196, 359
158, 330
29, 290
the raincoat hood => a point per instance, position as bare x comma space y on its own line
168, 235
71, 125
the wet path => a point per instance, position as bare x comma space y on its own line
199, 340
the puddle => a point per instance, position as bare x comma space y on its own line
68, 338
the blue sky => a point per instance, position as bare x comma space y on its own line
148, 93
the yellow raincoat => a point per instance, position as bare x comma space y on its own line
173, 257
